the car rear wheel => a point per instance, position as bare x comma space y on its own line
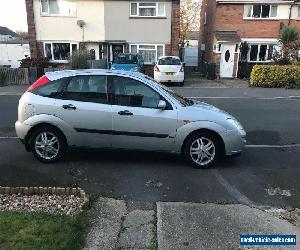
202, 150
48, 145
182, 84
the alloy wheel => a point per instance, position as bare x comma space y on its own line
47, 145
202, 151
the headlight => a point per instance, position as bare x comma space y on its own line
235, 123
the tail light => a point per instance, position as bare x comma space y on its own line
182, 69
156, 69
40, 82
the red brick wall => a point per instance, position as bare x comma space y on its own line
230, 18
175, 28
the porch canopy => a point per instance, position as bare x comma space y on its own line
227, 37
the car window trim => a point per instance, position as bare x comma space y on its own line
113, 89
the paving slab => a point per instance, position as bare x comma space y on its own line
137, 230
106, 220
212, 226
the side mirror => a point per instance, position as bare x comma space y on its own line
153, 63
162, 105
183, 64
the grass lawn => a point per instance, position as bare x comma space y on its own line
41, 231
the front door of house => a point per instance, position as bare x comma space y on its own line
115, 49
227, 60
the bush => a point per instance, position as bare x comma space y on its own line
275, 76
79, 60
34, 62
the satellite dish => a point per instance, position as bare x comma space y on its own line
80, 23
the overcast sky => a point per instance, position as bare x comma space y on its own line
13, 14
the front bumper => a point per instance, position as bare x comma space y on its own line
234, 141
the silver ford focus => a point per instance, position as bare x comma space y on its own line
122, 110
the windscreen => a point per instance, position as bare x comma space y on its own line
169, 61
126, 59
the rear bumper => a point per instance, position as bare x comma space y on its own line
22, 130
163, 77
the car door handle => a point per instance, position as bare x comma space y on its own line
69, 107
125, 112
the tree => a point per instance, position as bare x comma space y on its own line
189, 18
289, 46
22, 34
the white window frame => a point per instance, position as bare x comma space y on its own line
52, 60
258, 51
147, 7
138, 49
260, 18
217, 47
49, 14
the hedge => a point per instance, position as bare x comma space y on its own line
275, 76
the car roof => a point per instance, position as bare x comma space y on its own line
55, 75
162, 57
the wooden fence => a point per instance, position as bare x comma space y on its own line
14, 76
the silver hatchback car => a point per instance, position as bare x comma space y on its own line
122, 110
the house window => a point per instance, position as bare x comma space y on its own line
59, 52
260, 11
147, 9
58, 7
217, 47
260, 52
298, 12
150, 53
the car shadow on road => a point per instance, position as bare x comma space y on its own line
135, 157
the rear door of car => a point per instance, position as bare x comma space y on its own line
84, 105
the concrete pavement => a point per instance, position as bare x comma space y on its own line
177, 225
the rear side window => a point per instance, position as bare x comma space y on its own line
169, 61
87, 89
51, 89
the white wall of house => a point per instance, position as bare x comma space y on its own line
133, 30
11, 54
102, 22
65, 28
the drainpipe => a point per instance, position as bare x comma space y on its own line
290, 13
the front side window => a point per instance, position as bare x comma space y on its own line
58, 7
260, 11
133, 93
87, 89
149, 53
147, 9
59, 52
261, 52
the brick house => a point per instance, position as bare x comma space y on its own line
104, 27
225, 24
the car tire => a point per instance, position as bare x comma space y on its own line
205, 154
181, 84
48, 144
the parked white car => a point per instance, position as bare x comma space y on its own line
169, 69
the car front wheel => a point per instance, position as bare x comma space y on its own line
47, 144
202, 150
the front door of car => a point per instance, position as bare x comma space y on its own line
85, 108
137, 123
